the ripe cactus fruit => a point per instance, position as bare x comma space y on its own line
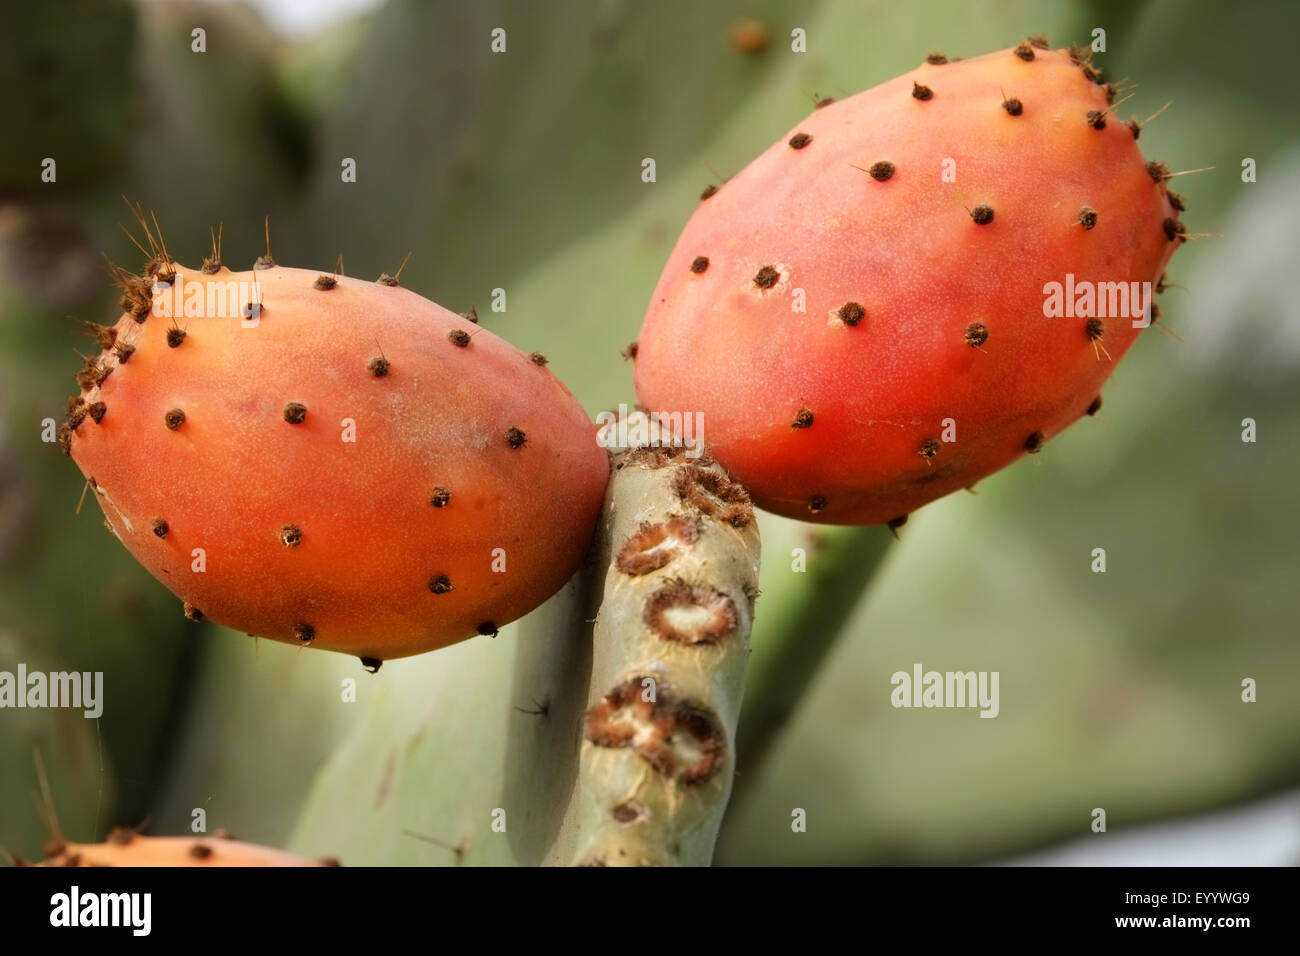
873, 314
333, 467
127, 848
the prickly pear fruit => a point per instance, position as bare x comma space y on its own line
332, 462
871, 299
127, 848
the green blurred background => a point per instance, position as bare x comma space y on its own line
522, 171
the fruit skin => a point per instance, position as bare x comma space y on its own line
126, 848
309, 538
908, 249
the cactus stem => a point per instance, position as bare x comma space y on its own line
669, 649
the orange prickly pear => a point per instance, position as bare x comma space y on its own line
914, 287
331, 462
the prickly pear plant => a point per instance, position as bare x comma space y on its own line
863, 317
125, 847
331, 462
873, 295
